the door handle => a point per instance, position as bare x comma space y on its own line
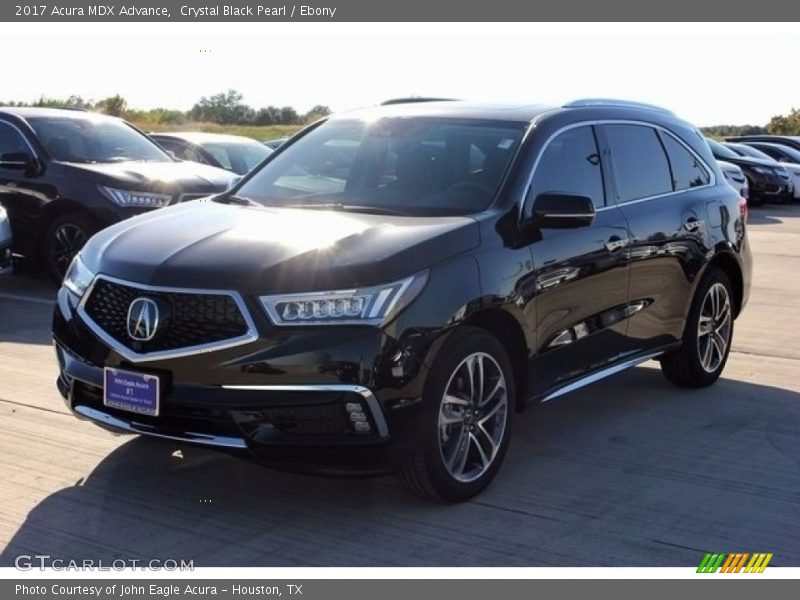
615, 243
692, 225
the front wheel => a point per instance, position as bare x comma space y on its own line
707, 338
467, 419
63, 240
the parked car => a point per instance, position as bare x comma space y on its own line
783, 169
5, 242
65, 174
793, 141
767, 180
735, 177
230, 152
462, 263
787, 156
276, 143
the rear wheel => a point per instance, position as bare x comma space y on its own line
467, 419
64, 238
707, 338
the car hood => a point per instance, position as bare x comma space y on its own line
753, 162
727, 166
266, 250
161, 177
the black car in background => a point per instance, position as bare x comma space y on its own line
777, 151
65, 174
768, 180
793, 141
386, 291
230, 152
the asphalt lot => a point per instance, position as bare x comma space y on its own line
630, 472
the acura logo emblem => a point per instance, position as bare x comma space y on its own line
143, 319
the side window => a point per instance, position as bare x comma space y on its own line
570, 165
640, 164
11, 140
687, 171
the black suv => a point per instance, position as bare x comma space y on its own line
65, 174
388, 288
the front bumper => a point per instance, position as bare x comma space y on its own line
287, 398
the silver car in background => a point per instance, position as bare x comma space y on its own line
5, 242
735, 178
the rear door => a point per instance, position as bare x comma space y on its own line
581, 274
663, 189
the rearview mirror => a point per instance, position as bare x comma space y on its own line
19, 161
553, 210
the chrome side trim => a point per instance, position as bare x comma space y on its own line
217, 441
365, 393
598, 375
124, 351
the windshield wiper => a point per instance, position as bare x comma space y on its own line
238, 200
359, 208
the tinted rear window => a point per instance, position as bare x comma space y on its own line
640, 164
687, 170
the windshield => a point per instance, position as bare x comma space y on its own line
721, 152
238, 157
745, 150
410, 166
94, 139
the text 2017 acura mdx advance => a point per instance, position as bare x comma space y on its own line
391, 285
65, 174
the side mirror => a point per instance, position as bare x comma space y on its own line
552, 210
18, 161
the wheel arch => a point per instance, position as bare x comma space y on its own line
509, 332
727, 263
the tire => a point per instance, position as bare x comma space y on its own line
64, 238
700, 360
440, 468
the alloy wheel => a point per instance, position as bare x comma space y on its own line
66, 242
472, 417
714, 327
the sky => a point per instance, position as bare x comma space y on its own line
707, 73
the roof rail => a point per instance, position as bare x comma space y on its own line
414, 99
584, 102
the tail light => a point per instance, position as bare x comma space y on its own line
743, 212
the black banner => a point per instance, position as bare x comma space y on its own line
408, 11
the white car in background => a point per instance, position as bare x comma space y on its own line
5, 241
735, 178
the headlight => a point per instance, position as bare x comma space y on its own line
78, 277
762, 170
364, 306
135, 199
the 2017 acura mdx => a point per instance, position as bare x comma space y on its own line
65, 174
388, 288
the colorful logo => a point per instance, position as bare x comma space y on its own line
734, 562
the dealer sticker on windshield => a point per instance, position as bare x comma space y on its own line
130, 391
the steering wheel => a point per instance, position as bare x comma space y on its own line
469, 186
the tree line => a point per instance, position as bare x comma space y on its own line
778, 125
229, 108
225, 108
